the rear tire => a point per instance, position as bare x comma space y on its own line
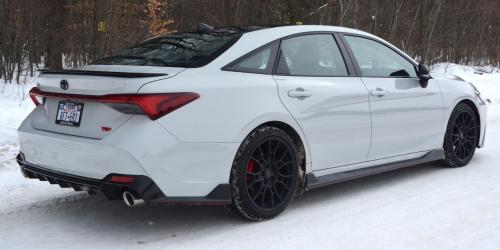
462, 136
264, 174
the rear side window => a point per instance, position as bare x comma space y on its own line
378, 60
259, 61
177, 50
311, 55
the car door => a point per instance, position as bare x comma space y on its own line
327, 100
406, 118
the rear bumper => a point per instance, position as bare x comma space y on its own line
140, 147
142, 186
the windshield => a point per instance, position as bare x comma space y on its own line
185, 50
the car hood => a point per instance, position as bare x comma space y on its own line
441, 76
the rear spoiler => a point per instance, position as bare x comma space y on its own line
101, 73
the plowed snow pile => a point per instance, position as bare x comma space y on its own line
424, 207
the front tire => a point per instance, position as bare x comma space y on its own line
462, 136
264, 175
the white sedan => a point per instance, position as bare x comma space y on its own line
247, 117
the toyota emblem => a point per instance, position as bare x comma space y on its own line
64, 85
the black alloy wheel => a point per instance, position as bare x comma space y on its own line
269, 174
462, 136
264, 175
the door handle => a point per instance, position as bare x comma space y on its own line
378, 92
299, 93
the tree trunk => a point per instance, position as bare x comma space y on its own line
55, 32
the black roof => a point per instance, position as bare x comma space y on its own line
234, 29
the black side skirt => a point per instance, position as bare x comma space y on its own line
315, 182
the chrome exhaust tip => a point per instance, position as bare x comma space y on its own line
131, 200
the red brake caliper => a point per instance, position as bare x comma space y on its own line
250, 168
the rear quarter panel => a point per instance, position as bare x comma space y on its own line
230, 106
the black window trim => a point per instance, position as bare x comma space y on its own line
345, 54
272, 58
350, 66
356, 64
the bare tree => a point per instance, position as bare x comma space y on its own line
36, 33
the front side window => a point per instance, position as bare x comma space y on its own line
378, 60
175, 50
311, 55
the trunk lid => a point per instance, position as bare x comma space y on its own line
103, 79
96, 120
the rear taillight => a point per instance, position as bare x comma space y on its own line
153, 105
35, 96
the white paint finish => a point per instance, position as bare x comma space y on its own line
103, 85
190, 151
94, 116
335, 118
454, 92
75, 155
406, 119
229, 101
171, 71
179, 169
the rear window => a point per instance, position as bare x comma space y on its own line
187, 50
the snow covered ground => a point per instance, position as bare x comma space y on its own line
424, 207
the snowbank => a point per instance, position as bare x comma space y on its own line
14, 106
426, 207
487, 83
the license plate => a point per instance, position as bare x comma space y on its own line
69, 113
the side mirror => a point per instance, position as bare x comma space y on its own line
423, 74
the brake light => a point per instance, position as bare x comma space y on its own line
157, 106
153, 105
35, 97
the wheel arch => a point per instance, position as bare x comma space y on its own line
297, 140
474, 108
300, 142
472, 105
